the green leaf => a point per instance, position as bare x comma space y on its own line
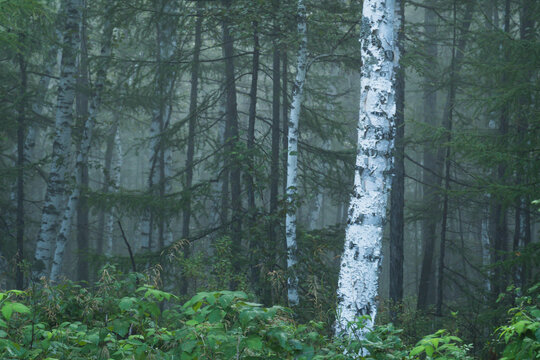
188, 346
7, 310
215, 316
126, 303
417, 350
20, 308
121, 327
254, 342
429, 350
226, 300
520, 326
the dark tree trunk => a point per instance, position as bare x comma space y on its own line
500, 208
397, 196
82, 113
522, 231
429, 179
232, 125
193, 114
448, 127
254, 242
273, 230
285, 115
19, 274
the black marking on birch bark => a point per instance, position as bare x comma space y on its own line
389, 54
365, 28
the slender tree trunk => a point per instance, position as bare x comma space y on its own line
254, 245
431, 181
360, 263
292, 156
192, 121
233, 139
486, 248
19, 257
62, 140
397, 194
81, 106
115, 185
81, 163
273, 230
105, 189
500, 208
522, 231
285, 112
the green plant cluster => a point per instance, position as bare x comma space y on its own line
120, 319
521, 336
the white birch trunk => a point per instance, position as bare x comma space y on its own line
54, 196
360, 263
116, 178
292, 156
82, 159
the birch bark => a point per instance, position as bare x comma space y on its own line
292, 156
115, 184
360, 263
62, 140
82, 159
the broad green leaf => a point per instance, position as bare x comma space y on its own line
429, 350
126, 303
7, 310
254, 342
417, 350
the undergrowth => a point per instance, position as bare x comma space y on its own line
128, 317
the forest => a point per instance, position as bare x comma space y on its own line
270, 179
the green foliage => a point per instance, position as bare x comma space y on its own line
120, 319
440, 345
521, 336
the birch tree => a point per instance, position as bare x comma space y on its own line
82, 159
292, 155
360, 263
54, 196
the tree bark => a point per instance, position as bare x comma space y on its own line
360, 263
81, 163
81, 106
275, 246
21, 125
62, 140
499, 210
292, 157
233, 139
254, 245
192, 121
397, 194
431, 181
